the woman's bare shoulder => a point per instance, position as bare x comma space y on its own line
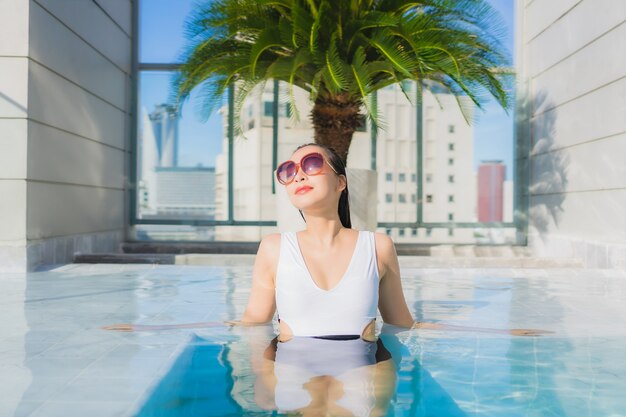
269, 247
385, 251
384, 244
271, 239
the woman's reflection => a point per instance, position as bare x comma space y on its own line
319, 376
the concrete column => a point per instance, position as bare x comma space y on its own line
65, 71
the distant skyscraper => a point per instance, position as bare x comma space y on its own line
491, 175
164, 120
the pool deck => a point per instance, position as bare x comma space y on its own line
55, 360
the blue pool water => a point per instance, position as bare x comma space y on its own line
56, 360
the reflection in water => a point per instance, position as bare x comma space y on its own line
331, 377
254, 374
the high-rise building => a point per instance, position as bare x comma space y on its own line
157, 148
164, 120
448, 194
449, 181
491, 176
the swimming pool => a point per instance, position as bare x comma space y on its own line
55, 359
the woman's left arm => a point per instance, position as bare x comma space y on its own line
392, 304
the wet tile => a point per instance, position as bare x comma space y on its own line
91, 409
18, 408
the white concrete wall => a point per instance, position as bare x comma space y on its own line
64, 128
13, 132
574, 64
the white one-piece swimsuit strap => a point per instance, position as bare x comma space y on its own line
345, 309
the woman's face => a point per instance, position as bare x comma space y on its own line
307, 191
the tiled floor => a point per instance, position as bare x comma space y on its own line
55, 360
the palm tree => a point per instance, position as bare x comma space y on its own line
342, 51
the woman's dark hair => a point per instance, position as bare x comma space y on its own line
337, 163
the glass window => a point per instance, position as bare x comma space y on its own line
429, 232
413, 232
268, 110
402, 177
413, 177
451, 128
389, 176
388, 232
450, 232
429, 177
176, 155
451, 198
450, 178
450, 216
450, 161
401, 232
429, 198
402, 198
413, 198
450, 146
388, 198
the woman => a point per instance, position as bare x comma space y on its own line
327, 284
325, 254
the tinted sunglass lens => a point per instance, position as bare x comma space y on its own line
312, 164
286, 172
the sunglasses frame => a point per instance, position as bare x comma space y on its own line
299, 166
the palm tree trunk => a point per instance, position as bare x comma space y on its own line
335, 119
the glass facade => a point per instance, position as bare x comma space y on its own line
195, 180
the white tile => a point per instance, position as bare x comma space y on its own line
76, 409
61, 157
598, 114
31, 389
14, 87
59, 103
120, 12
591, 166
57, 209
89, 22
13, 143
18, 408
92, 389
598, 64
570, 33
13, 215
14, 28
58, 48
568, 214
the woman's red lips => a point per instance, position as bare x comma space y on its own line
304, 187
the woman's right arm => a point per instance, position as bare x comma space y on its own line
262, 301
261, 304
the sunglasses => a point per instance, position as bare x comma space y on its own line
311, 164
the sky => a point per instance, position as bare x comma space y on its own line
162, 41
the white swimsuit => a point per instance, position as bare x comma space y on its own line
311, 311
345, 309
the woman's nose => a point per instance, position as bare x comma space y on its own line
299, 173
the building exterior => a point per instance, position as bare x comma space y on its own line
572, 129
67, 130
491, 176
447, 160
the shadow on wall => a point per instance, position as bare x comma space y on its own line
12, 102
547, 165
